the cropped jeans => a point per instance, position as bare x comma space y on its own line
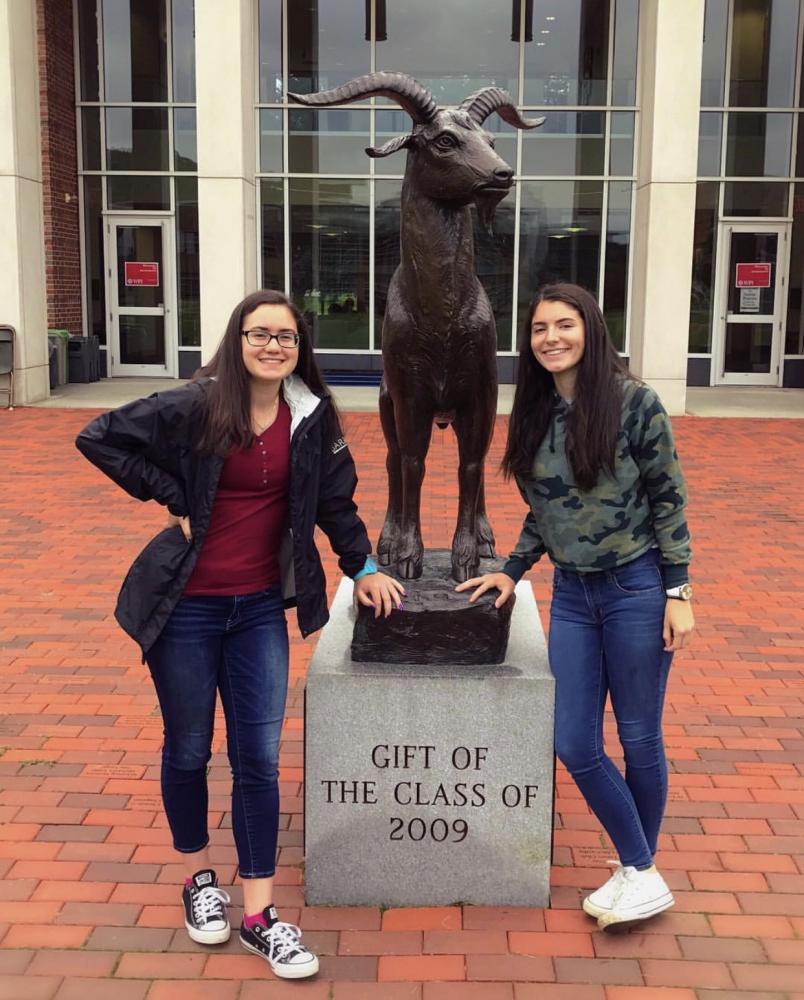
606, 640
238, 646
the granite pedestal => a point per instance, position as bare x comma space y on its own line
429, 784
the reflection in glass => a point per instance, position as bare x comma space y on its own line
615, 281
140, 194
761, 198
329, 243
93, 255
626, 36
709, 144
559, 236
794, 327
188, 262
183, 28
716, 21
753, 248
328, 142
494, 263
90, 139
758, 145
763, 53
387, 194
748, 347
270, 141
88, 49
138, 245
702, 295
270, 51
326, 44
566, 61
184, 139
621, 144
421, 41
136, 139
142, 340
273, 234
569, 143
135, 50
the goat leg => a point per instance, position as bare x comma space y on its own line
485, 535
473, 429
414, 427
388, 542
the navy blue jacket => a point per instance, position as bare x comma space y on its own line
146, 447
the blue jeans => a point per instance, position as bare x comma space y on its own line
238, 646
606, 639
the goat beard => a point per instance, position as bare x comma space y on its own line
486, 202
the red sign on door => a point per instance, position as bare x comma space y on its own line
139, 272
753, 276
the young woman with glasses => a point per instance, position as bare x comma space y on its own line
248, 458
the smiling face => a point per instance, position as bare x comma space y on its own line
269, 363
557, 339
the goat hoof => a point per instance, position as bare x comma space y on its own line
485, 549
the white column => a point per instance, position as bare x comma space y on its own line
225, 52
23, 302
670, 52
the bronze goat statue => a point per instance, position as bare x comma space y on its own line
439, 340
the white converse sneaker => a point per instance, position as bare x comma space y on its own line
601, 900
281, 947
641, 894
205, 909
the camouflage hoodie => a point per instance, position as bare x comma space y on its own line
639, 507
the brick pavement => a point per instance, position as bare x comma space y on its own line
88, 908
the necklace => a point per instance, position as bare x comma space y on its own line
261, 426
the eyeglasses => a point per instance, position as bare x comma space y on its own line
259, 337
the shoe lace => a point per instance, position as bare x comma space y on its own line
209, 902
284, 940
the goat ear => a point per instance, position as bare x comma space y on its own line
400, 142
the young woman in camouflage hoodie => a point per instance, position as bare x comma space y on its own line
592, 452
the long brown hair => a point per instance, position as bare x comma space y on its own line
593, 421
226, 421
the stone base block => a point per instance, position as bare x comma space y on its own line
429, 784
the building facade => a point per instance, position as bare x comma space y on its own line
156, 173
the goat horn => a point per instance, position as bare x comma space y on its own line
408, 93
481, 104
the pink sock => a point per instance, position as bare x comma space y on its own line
254, 919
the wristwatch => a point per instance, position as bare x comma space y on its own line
681, 593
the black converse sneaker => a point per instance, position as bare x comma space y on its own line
205, 909
281, 946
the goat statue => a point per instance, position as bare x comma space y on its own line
439, 340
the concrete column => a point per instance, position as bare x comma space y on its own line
225, 52
23, 303
670, 52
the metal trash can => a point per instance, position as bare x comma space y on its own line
53, 363
60, 338
79, 359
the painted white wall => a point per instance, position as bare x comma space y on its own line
225, 59
22, 247
670, 53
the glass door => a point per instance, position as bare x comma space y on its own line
140, 294
751, 297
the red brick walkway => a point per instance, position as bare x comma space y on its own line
89, 910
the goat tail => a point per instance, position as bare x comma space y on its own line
483, 102
408, 93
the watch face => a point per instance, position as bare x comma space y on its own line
685, 591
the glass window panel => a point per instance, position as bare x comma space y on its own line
141, 244
559, 236
748, 347
270, 51
329, 242
93, 255
88, 49
420, 40
135, 50
90, 139
794, 328
142, 340
328, 142
709, 144
140, 193
185, 149
716, 21
799, 166
702, 296
569, 142
621, 145
761, 198
183, 28
618, 241
188, 262
387, 194
758, 145
137, 139
752, 248
327, 43
566, 61
763, 53
273, 234
494, 263
271, 141
626, 36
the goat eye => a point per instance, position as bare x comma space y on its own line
446, 142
